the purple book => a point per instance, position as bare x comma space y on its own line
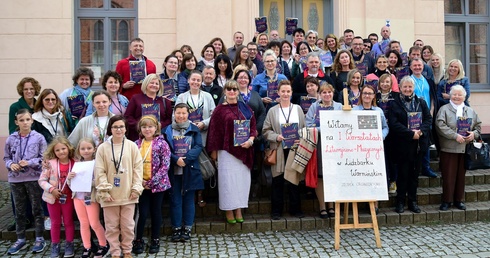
137, 71
463, 125
305, 103
290, 133
195, 115
261, 24
169, 90
151, 109
241, 132
182, 144
272, 86
291, 25
414, 120
77, 105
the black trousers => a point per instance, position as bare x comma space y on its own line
408, 174
277, 198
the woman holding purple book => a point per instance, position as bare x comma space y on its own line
457, 125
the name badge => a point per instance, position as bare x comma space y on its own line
63, 199
117, 181
87, 200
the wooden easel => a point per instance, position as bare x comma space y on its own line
355, 212
356, 224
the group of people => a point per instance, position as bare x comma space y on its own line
146, 134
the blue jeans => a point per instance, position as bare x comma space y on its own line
426, 161
182, 206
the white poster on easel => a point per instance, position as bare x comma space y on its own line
353, 156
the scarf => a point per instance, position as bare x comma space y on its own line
84, 92
51, 122
459, 108
182, 127
408, 102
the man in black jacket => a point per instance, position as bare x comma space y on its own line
209, 85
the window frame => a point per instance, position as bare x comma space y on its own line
106, 13
465, 20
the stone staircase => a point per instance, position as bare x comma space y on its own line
257, 219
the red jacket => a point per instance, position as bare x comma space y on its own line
122, 68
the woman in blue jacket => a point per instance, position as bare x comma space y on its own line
454, 76
184, 139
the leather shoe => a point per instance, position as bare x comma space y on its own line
414, 207
429, 173
444, 206
400, 207
460, 205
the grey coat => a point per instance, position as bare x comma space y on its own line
447, 131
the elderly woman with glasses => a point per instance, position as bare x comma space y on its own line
266, 83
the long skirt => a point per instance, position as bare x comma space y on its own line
233, 182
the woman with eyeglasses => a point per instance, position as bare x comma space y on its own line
300, 57
50, 117
95, 125
242, 57
232, 131
119, 184
266, 83
368, 102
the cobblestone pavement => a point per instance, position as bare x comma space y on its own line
454, 240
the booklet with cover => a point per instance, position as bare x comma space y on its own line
182, 144
463, 125
290, 133
77, 105
414, 120
137, 70
241, 131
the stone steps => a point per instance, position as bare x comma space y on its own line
211, 219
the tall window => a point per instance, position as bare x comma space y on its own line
103, 31
466, 34
314, 15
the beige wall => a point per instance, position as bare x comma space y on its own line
167, 25
409, 20
37, 36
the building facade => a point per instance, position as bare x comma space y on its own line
50, 39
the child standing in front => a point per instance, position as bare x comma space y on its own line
86, 207
58, 161
23, 156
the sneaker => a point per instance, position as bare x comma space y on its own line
176, 233
38, 246
55, 250
127, 255
87, 253
138, 246
69, 250
11, 227
186, 234
392, 188
16, 247
154, 246
102, 251
47, 223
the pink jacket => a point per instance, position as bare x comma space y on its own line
394, 88
49, 179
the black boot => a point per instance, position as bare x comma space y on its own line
399, 207
414, 207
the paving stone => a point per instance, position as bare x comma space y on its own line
308, 223
446, 216
471, 214
471, 195
419, 218
432, 215
392, 218
482, 195
483, 214
293, 223
459, 215
406, 218
263, 225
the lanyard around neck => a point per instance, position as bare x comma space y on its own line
117, 164
289, 113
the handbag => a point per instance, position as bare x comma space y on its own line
477, 155
270, 157
208, 169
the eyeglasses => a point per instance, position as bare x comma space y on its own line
118, 128
367, 93
231, 89
49, 100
